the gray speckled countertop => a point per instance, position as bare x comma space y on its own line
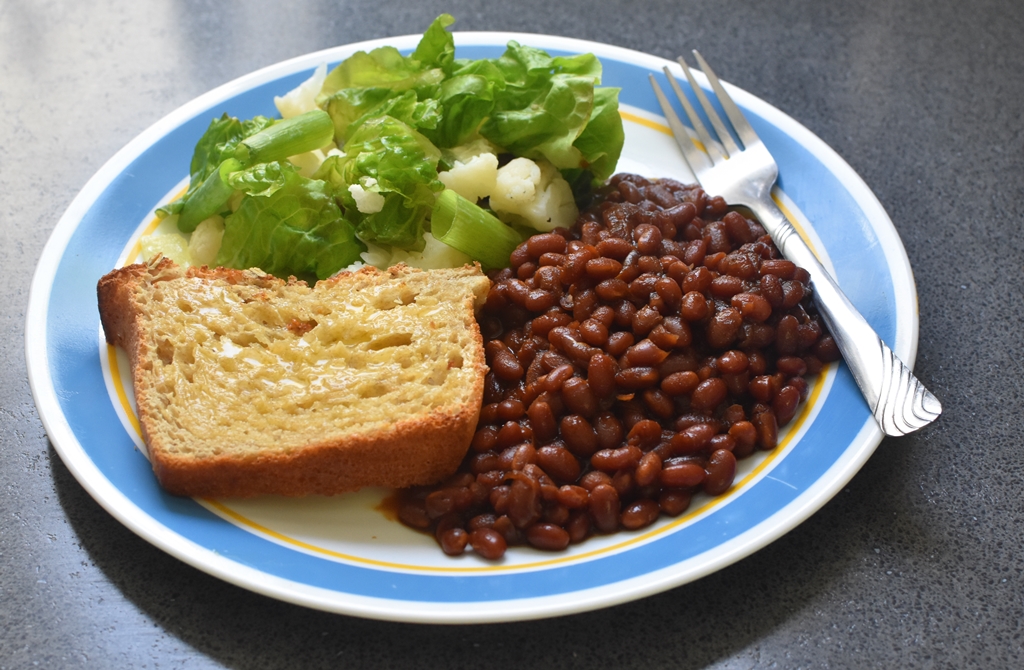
918, 562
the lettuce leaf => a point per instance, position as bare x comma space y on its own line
384, 82
295, 229
351, 108
387, 156
437, 47
465, 101
217, 144
544, 105
601, 141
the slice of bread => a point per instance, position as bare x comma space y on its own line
247, 384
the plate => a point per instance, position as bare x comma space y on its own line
347, 554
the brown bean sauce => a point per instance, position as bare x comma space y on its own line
633, 359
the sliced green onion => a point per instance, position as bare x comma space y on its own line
463, 225
289, 137
209, 198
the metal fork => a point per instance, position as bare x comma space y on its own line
745, 176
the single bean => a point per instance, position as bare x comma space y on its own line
558, 462
724, 327
792, 366
745, 435
637, 378
583, 303
619, 342
578, 397
693, 438
733, 362
779, 267
648, 469
694, 306
721, 470
579, 435
682, 475
593, 479
659, 402
767, 429
547, 536
639, 514
542, 419
485, 520
601, 269
726, 286
510, 409
601, 371
504, 363
737, 227
604, 508
441, 502
539, 300
680, 383
573, 497
614, 247
613, 460
554, 380
594, 332
695, 251
609, 431
578, 526
674, 502
453, 541
524, 502
785, 404
644, 434
413, 513
752, 306
612, 289
708, 394
792, 292
488, 543
538, 245
671, 335
484, 439
645, 353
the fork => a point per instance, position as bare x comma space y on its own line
745, 177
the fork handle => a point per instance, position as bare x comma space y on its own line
898, 400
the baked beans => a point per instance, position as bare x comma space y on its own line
633, 359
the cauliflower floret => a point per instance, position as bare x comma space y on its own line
377, 256
367, 201
464, 152
474, 178
168, 245
435, 255
534, 194
205, 241
302, 98
308, 162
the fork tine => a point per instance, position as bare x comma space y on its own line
703, 135
723, 133
739, 122
698, 160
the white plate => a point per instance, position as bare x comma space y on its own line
343, 554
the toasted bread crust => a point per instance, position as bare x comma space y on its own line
421, 450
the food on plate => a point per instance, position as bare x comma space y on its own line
358, 167
248, 384
632, 352
633, 359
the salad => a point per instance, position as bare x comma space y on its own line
424, 158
